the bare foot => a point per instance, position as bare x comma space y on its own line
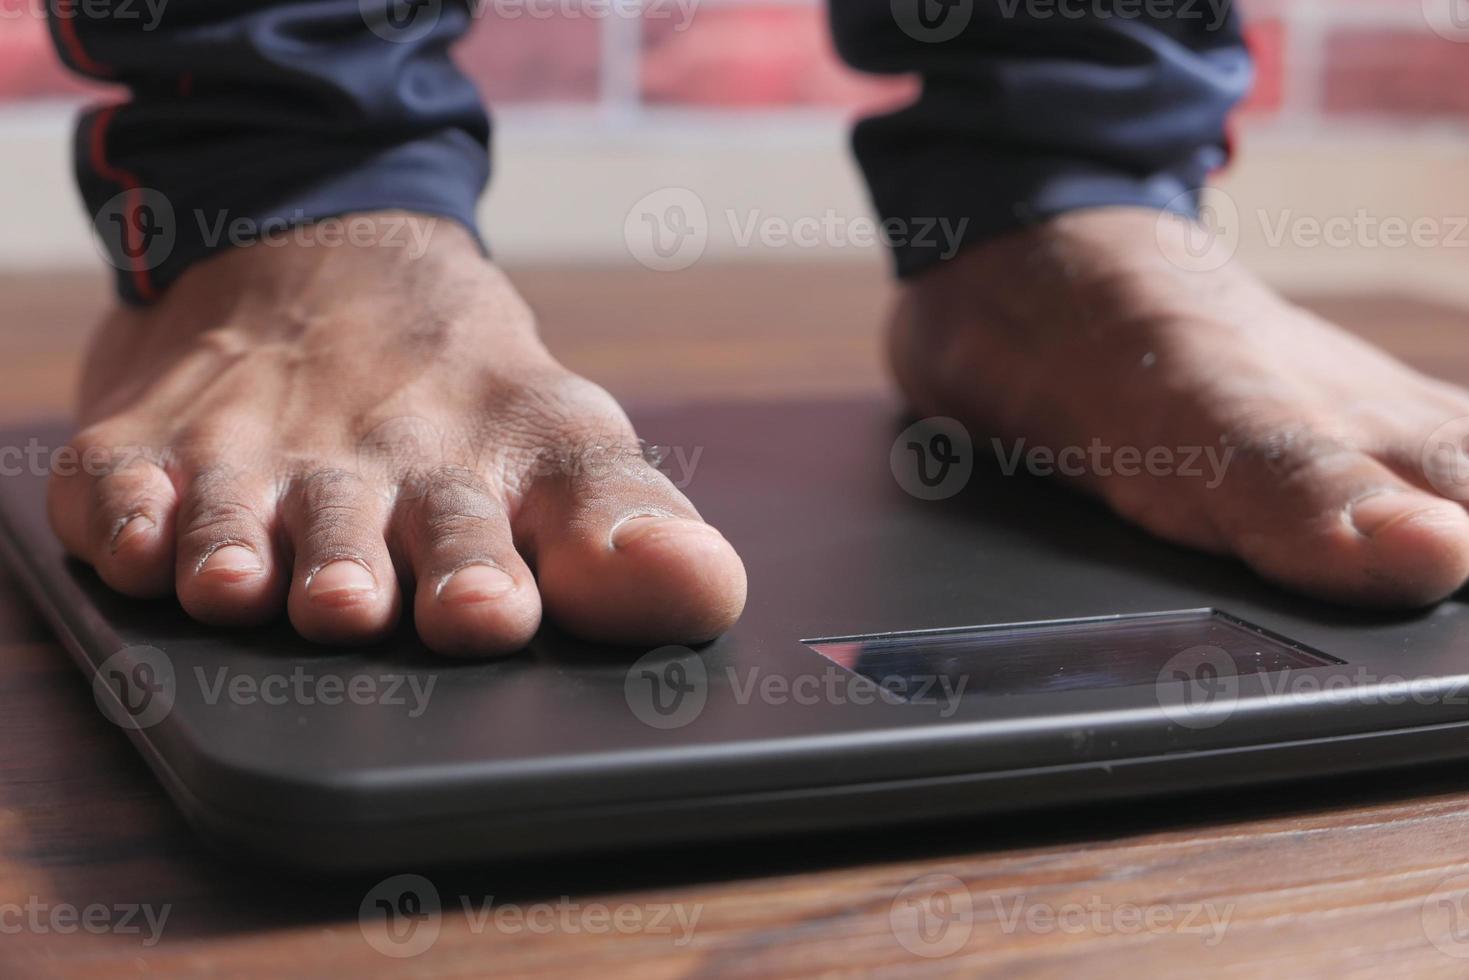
324, 425
1089, 328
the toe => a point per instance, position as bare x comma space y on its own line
474, 595
1417, 545
622, 556
343, 587
118, 515
1344, 526
228, 570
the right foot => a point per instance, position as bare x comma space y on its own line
1345, 473
276, 390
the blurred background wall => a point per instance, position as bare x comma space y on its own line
1357, 116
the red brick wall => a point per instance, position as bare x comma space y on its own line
28, 68
1361, 59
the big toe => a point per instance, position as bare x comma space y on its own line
622, 556
1345, 527
1415, 546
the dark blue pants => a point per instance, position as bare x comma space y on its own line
277, 112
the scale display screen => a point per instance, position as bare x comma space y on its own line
1070, 655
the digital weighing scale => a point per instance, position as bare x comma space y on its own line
1009, 646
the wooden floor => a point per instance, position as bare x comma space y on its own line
1332, 880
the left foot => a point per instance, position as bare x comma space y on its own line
338, 429
1089, 328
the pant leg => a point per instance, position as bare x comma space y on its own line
1030, 108
253, 115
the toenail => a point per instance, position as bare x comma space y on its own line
474, 583
232, 561
340, 583
1374, 513
130, 528
635, 529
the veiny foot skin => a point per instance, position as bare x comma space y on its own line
1091, 327
329, 429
